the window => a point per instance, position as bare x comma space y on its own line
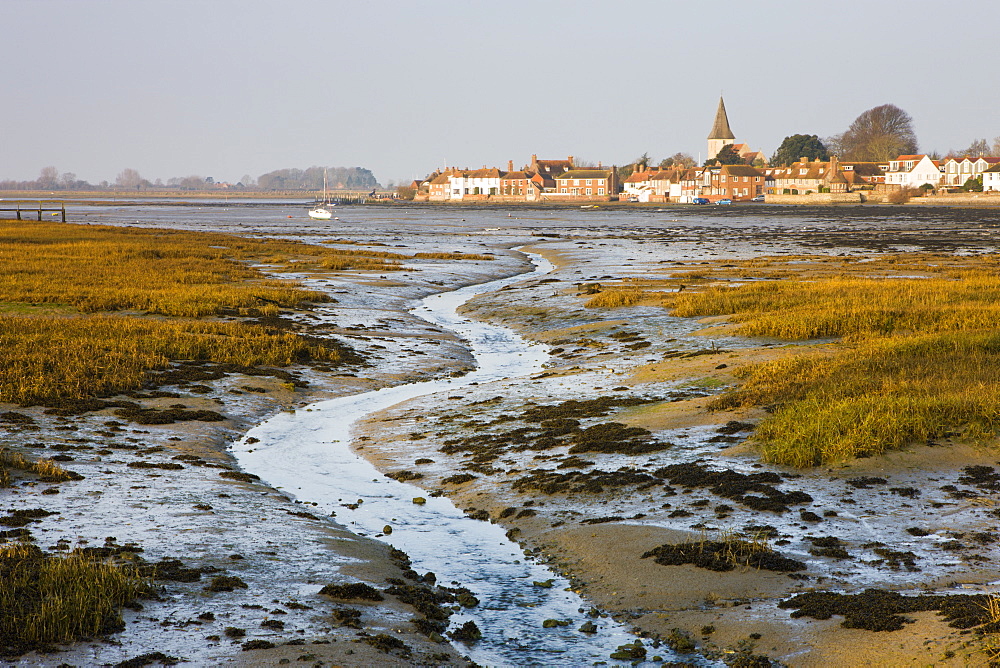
600, 191
589, 190
562, 190
590, 182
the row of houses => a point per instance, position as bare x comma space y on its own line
561, 180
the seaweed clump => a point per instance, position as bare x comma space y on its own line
881, 610
735, 486
353, 591
724, 555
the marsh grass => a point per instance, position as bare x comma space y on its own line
916, 360
617, 298
991, 642
46, 599
120, 302
47, 358
46, 469
185, 274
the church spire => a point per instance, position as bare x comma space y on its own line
720, 130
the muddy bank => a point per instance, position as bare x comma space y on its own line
609, 454
625, 392
238, 569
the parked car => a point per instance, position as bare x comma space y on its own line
699, 200
724, 201
758, 198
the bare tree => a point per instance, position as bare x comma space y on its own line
996, 147
129, 178
879, 134
978, 148
48, 178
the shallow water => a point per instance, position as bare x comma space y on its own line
307, 455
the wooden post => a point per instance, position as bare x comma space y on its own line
64, 212
19, 212
39, 212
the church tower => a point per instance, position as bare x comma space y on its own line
720, 134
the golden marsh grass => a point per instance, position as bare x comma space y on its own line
916, 359
93, 338
50, 358
53, 599
46, 469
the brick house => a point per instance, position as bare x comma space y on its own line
595, 184
522, 186
737, 182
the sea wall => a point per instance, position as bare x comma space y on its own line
817, 198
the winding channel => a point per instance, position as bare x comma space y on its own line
307, 455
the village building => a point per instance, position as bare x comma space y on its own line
959, 170
638, 187
523, 185
913, 171
736, 182
721, 135
991, 179
598, 184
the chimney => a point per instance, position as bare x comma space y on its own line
510, 165
570, 160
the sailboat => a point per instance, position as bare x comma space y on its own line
321, 212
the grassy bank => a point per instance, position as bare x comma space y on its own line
89, 310
918, 348
46, 599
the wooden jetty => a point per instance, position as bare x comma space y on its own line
24, 209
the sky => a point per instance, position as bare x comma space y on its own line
227, 88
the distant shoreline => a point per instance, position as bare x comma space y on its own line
221, 198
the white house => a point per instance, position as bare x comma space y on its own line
478, 182
638, 187
913, 171
991, 179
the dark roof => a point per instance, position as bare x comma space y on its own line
741, 170
586, 174
720, 130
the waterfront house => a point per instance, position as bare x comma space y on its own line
991, 179
959, 170
586, 184
913, 171
736, 182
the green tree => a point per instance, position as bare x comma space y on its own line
795, 147
879, 134
727, 156
974, 185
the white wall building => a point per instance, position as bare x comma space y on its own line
913, 171
991, 179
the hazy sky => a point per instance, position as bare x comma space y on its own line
224, 88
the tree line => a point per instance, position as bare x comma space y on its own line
879, 134
338, 178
